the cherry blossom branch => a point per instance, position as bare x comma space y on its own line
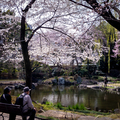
81, 4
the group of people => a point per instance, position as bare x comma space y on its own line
28, 108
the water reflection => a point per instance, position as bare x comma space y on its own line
71, 95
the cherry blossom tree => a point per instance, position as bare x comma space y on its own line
57, 48
116, 49
41, 14
68, 17
9, 38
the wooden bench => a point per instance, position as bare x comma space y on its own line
14, 109
11, 109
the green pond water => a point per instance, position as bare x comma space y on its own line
70, 95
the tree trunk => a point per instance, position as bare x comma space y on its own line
24, 46
106, 14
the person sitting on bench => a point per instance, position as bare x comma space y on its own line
6, 98
28, 107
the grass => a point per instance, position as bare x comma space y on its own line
76, 107
11, 81
110, 87
114, 116
70, 78
91, 112
114, 85
44, 117
13, 99
101, 78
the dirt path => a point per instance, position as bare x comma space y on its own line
72, 116
6, 117
63, 115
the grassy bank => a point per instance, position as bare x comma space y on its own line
11, 81
75, 109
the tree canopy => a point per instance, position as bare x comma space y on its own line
68, 17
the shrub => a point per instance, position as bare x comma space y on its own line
69, 107
82, 107
49, 103
51, 118
77, 107
83, 72
59, 105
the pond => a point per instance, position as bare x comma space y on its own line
70, 95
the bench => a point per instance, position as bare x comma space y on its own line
11, 109
14, 109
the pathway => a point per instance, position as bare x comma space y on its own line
6, 117
60, 114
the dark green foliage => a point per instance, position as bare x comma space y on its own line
82, 107
73, 107
49, 103
59, 106
69, 107
8, 70
8, 12
51, 118
83, 72
56, 77
39, 70
79, 107
107, 62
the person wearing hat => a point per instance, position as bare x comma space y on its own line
6, 98
28, 107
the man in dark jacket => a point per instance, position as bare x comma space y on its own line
6, 98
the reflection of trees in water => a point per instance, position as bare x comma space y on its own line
70, 96
105, 97
88, 97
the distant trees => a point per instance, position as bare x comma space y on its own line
107, 38
116, 49
9, 35
9, 44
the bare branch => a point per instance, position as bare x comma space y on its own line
81, 4
90, 26
41, 26
62, 33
